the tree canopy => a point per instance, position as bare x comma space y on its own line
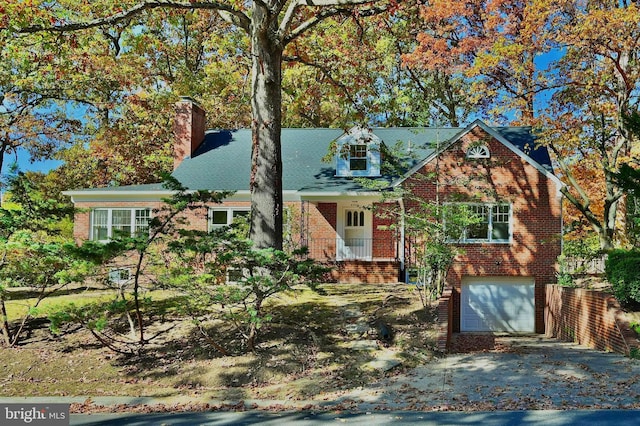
267, 26
568, 68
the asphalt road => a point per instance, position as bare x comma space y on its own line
493, 418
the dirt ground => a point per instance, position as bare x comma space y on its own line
315, 344
323, 347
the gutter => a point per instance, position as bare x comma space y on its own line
110, 195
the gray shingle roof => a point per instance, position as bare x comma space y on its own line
222, 162
524, 140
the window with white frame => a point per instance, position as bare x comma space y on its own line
119, 276
358, 153
109, 223
491, 223
223, 216
358, 157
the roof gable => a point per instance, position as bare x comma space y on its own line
519, 140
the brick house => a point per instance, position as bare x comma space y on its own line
497, 284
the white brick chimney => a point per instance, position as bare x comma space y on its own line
188, 129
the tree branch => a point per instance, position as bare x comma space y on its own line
573, 182
239, 18
328, 10
327, 73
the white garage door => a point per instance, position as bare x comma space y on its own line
497, 304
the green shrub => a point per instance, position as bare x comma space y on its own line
587, 247
565, 280
622, 269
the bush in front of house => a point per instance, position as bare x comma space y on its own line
622, 269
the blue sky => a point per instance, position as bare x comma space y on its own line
25, 164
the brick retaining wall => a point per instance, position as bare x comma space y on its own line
358, 272
588, 317
445, 320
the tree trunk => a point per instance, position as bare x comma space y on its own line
136, 299
609, 219
266, 107
252, 337
6, 331
132, 325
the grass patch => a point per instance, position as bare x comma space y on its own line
164, 301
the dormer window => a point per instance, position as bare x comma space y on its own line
358, 153
358, 157
478, 151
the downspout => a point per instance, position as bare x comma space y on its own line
402, 240
561, 224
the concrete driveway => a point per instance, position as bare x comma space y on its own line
517, 373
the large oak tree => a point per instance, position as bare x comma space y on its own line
598, 79
270, 26
353, 68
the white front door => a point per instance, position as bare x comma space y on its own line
497, 304
354, 234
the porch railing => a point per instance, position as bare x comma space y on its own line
582, 266
353, 249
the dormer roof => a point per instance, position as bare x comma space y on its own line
358, 153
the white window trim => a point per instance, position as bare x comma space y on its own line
489, 239
229, 210
116, 276
478, 151
366, 158
109, 224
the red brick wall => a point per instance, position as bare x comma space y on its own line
445, 320
322, 227
188, 128
590, 318
358, 272
385, 238
536, 213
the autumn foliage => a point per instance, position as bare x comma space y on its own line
569, 68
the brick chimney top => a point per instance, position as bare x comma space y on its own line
188, 128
